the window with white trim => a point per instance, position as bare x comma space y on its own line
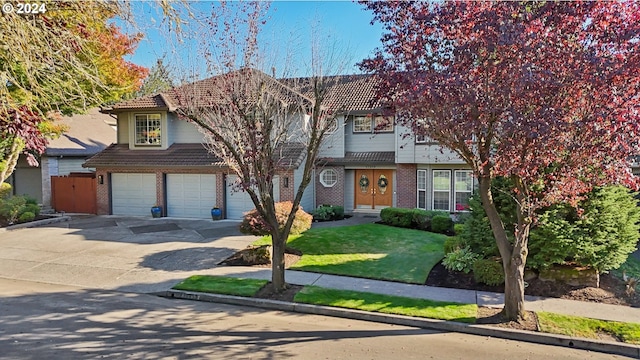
361, 124
421, 139
441, 190
372, 124
148, 129
463, 189
328, 177
422, 190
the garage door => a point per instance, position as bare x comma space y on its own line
133, 194
239, 202
191, 195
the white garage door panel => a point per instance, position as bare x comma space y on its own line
191, 195
133, 194
239, 202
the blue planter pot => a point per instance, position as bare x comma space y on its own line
156, 211
216, 214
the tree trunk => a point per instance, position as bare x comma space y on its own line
17, 145
513, 257
514, 285
277, 262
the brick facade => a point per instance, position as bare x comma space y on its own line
330, 195
406, 179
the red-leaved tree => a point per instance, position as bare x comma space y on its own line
545, 93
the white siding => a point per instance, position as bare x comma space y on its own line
123, 128
308, 195
191, 195
133, 194
349, 189
368, 142
181, 131
239, 202
69, 165
333, 144
408, 152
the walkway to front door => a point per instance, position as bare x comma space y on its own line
374, 188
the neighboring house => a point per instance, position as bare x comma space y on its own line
87, 135
366, 163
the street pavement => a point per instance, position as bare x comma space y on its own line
144, 255
44, 321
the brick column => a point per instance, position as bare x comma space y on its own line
406, 178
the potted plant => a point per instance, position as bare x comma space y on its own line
156, 211
216, 213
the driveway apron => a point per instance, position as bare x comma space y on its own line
121, 253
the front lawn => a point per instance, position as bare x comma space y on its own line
388, 304
588, 328
221, 285
369, 251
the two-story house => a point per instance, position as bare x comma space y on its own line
366, 162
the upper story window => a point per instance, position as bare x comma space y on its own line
421, 139
369, 124
148, 129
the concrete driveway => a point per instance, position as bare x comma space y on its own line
140, 255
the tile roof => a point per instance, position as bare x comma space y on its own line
177, 155
180, 155
348, 93
145, 102
87, 134
373, 158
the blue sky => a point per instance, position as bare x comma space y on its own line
343, 24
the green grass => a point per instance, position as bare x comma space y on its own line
388, 304
221, 285
588, 328
370, 251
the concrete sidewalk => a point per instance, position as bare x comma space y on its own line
533, 303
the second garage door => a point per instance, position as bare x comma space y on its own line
191, 195
133, 194
239, 202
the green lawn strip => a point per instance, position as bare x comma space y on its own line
388, 304
221, 285
588, 328
371, 251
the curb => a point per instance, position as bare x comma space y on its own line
443, 325
52, 220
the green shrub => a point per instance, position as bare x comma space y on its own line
33, 208
338, 212
488, 271
458, 228
11, 208
442, 224
5, 190
452, 244
30, 200
399, 217
460, 260
27, 216
410, 218
328, 212
322, 213
601, 237
253, 224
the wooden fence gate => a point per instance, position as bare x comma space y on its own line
75, 193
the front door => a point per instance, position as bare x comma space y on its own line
374, 188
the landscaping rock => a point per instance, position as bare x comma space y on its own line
571, 275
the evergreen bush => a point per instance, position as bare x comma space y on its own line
488, 272
442, 224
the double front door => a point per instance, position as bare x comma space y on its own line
374, 188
